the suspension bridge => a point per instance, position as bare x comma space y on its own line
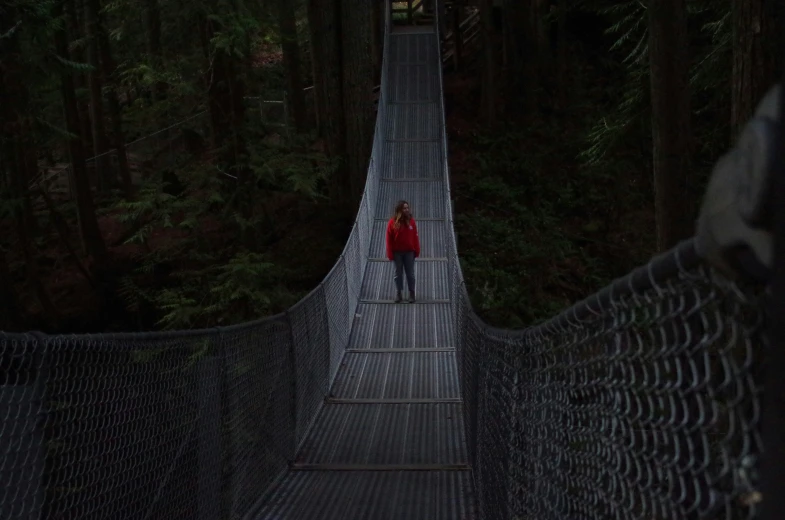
643, 401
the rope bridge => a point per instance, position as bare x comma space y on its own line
641, 402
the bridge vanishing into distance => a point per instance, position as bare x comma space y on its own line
644, 401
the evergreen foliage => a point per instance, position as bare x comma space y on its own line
554, 211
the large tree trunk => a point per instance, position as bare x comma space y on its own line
16, 139
324, 23
76, 29
109, 69
152, 25
377, 27
670, 106
754, 41
358, 90
291, 60
103, 166
10, 309
522, 80
541, 28
489, 93
457, 37
562, 81
88, 223
20, 177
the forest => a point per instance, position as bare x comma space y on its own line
172, 165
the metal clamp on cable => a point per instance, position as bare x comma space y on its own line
734, 226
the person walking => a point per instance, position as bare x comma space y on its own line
403, 246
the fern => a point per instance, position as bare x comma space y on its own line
180, 311
131, 294
75, 65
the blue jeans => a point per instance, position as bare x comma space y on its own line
404, 260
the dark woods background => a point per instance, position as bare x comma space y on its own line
232, 140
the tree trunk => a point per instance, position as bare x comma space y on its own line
15, 143
109, 70
324, 24
754, 41
103, 166
489, 93
75, 22
291, 60
88, 223
670, 107
562, 82
541, 26
358, 91
377, 26
10, 309
522, 81
152, 24
457, 37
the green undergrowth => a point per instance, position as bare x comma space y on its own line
539, 229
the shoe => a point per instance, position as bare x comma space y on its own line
398, 297
411, 296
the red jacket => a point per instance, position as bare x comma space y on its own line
402, 239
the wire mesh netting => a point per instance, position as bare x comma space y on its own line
644, 406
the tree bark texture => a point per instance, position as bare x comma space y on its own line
457, 37
152, 25
489, 93
10, 309
522, 81
562, 77
670, 105
109, 70
16, 141
76, 30
88, 223
357, 37
105, 175
377, 28
291, 60
754, 42
325, 28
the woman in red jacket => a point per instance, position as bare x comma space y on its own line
403, 246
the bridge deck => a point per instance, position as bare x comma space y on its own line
389, 441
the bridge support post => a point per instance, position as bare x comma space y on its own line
210, 442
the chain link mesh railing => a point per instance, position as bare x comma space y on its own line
642, 402
189, 425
